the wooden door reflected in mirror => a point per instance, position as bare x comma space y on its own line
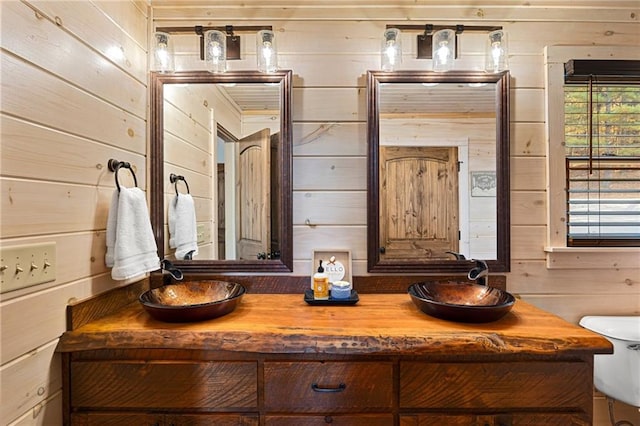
229, 136
438, 176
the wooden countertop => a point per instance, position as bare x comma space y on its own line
379, 324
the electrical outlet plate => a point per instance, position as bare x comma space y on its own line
27, 265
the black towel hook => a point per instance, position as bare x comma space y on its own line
173, 178
115, 165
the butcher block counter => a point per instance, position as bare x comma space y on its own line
276, 360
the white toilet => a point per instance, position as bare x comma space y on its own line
618, 375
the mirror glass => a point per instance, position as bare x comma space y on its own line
438, 171
221, 146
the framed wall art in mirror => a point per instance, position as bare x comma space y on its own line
225, 139
438, 171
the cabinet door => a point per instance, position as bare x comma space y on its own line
333, 420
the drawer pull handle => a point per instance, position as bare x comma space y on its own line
317, 388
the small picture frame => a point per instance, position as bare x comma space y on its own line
483, 184
336, 264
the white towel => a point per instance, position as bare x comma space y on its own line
183, 232
131, 248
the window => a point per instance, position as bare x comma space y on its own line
602, 153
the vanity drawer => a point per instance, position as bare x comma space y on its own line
164, 385
333, 420
494, 384
328, 386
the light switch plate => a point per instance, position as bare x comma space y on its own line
201, 233
27, 265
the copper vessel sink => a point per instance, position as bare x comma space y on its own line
192, 300
461, 301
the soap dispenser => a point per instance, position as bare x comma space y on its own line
320, 284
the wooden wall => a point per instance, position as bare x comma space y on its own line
74, 94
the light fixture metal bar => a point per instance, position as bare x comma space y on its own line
223, 28
457, 28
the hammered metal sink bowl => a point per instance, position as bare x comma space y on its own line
461, 301
192, 300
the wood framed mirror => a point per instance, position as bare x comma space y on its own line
438, 171
229, 137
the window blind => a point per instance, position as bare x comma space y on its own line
602, 150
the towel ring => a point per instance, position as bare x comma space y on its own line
173, 178
115, 165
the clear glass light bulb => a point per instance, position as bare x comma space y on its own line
215, 51
266, 51
163, 60
497, 55
443, 50
391, 51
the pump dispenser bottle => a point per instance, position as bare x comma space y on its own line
320, 284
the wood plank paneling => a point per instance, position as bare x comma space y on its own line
322, 173
32, 208
307, 239
330, 104
528, 173
75, 109
572, 307
528, 208
46, 413
343, 139
38, 373
29, 151
43, 314
543, 11
107, 35
533, 277
527, 139
527, 242
313, 208
78, 255
73, 96
35, 40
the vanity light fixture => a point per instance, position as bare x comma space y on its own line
443, 49
391, 52
221, 44
266, 52
440, 43
215, 51
163, 59
497, 53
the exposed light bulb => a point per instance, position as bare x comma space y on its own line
443, 49
163, 59
391, 52
215, 51
496, 57
266, 52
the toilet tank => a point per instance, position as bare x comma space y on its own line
617, 375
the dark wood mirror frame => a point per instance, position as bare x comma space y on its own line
156, 161
374, 79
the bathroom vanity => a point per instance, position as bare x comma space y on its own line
276, 360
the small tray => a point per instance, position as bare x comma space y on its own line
351, 300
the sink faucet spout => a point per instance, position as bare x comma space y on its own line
480, 273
